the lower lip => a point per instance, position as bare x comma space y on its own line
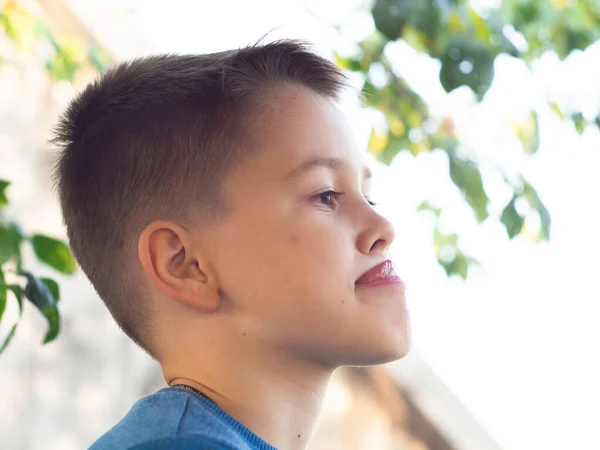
382, 281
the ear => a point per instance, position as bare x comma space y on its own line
170, 262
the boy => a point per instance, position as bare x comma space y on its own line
221, 209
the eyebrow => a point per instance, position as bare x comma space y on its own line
335, 164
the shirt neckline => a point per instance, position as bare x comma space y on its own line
253, 439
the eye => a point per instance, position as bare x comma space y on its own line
329, 198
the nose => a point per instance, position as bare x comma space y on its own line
377, 235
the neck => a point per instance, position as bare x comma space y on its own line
278, 399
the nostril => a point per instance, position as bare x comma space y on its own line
378, 244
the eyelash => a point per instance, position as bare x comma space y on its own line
335, 196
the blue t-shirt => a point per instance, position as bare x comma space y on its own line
175, 418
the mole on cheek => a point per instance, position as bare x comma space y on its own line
294, 239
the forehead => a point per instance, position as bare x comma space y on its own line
301, 126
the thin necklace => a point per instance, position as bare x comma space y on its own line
192, 389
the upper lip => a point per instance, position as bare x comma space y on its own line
378, 267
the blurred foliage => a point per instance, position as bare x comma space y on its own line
15, 280
466, 42
64, 56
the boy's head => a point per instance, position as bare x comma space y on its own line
222, 197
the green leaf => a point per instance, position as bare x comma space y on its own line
556, 109
459, 263
2, 294
424, 15
53, 252
370, 94
481, 27
18, 292
535, 202
440, 239
351, 64
41, 296
62, 67
377, 142
374, 44
98, 57
453, 262
458, 266
511, 219
17, 229
3, 198
394, 145
8, 338
390, 16
526, 11
19, 25
38, 292
545, 218
529, 134
507, 46
416, 38
10, 240
53, 286
53, 317
579, 121
578, 39
427, 207
465, 174
467, 63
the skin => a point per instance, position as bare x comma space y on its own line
259, 310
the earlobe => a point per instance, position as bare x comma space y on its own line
171, 264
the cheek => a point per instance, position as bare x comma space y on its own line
322, 240
286, 258
319, 264
252, 258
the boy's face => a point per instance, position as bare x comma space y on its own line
288, 255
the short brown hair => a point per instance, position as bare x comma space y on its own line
154, 138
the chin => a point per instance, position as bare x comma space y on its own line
386, 347
381, 353
382, 358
